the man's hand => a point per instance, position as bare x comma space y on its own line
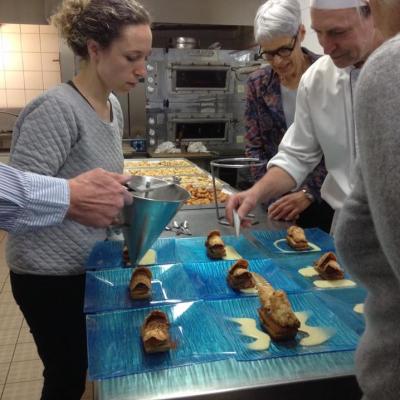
273, 184
96, 197
289, 207
243, 202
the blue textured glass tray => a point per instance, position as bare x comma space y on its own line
274, 242
209, 279
342, 303
194, 249
292, 264
343, 339
108, 254
109, 289
115, 346
105, 254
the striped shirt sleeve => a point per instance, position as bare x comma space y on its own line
29, 201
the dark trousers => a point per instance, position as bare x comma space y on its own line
53, 309
317, 215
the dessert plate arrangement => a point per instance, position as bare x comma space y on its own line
274, 242
115, 345
338, 335
193, 249
108, 290
210, 279
295, 266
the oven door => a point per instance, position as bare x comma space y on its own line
210, 129
197, 78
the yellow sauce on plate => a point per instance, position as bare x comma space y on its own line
248, 327
359, 308
252, 290
149, 258
231, 254
308, 272
341, 283
316, 335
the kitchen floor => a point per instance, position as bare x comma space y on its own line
20, 365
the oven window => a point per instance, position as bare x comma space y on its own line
200, 130
186, 79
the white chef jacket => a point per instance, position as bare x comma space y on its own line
323, 126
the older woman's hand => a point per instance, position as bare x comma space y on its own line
289, 207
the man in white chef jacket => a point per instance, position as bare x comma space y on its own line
324, 122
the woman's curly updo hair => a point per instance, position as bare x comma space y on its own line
100, 20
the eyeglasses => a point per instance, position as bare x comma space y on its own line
284, 51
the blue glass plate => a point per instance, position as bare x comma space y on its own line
108, 254
342, 303
292, 264
274, 242
210, 279
343, 339
115, 347
109, 289
194, 250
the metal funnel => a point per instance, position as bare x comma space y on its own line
150, 212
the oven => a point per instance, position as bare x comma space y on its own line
196, 95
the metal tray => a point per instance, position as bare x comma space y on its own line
220, 184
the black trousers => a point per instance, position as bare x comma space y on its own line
53, 309
317, 215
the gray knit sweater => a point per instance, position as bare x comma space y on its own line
59, 134
368, 232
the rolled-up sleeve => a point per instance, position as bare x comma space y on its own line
29, 201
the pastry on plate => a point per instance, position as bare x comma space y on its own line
215, 245
140, 284
296, 238
328, 268
278, 318
239, 276
155, 333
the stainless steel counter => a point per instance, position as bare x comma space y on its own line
308, 376
203, 220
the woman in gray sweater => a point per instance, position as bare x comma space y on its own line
368, 231
72, 128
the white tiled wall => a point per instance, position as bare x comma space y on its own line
29, 62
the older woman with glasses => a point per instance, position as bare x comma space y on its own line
270, 109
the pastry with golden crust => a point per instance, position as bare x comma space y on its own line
239, 276
140, 284
277, 317
215, 245
155, 333
296, 238
328, 268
